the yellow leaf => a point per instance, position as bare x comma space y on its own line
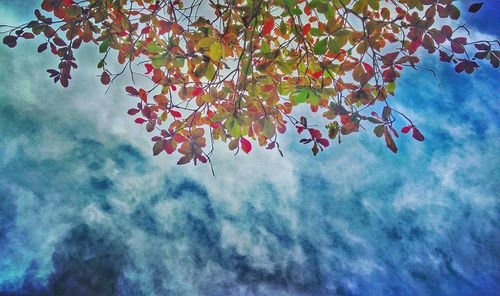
205, 42
215, 51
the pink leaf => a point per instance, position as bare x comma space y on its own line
406, 129
246, 146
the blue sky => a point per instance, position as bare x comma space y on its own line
85, 209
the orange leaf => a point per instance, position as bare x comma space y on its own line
143, 95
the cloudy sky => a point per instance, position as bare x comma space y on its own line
85, 209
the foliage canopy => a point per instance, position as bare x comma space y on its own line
235, 70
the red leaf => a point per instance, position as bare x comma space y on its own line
443, 56
417, 135
149, 68
368, 68
131, 91
315, 134
10, 41
268, 26
460, 67
306, 29
139, 120
42, 47
323, 142
179, 139
307, 10
246, 146
175, 113
170, 146
28, 35
475, 7
197, 91
406, 129
447, 31
133, 111
202, 158
105, 79
345, 118
318, 74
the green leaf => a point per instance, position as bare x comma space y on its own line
159, 60
321, 46
268, 128
374, 4
233, 127
335, 44
210, 71
379, 130
301, 96
390, 87
104, 45
152, 47
360, 6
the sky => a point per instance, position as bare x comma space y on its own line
86, 209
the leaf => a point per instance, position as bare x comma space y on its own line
216, 51
152, 47
406, 129
389, 141
417, 135
42, 47
205, 42
158, 147
306, 29
233, 144
197, 91
315, 149
132, 91
133, 111
149, 68
379, 130
267, 127
10, 41
386, 113
475, 7
105, 78
268, 26
301, 96
315, 134
175, 113
323, 142
143, 95
246, 146
185, 159
321, 46
233, 127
